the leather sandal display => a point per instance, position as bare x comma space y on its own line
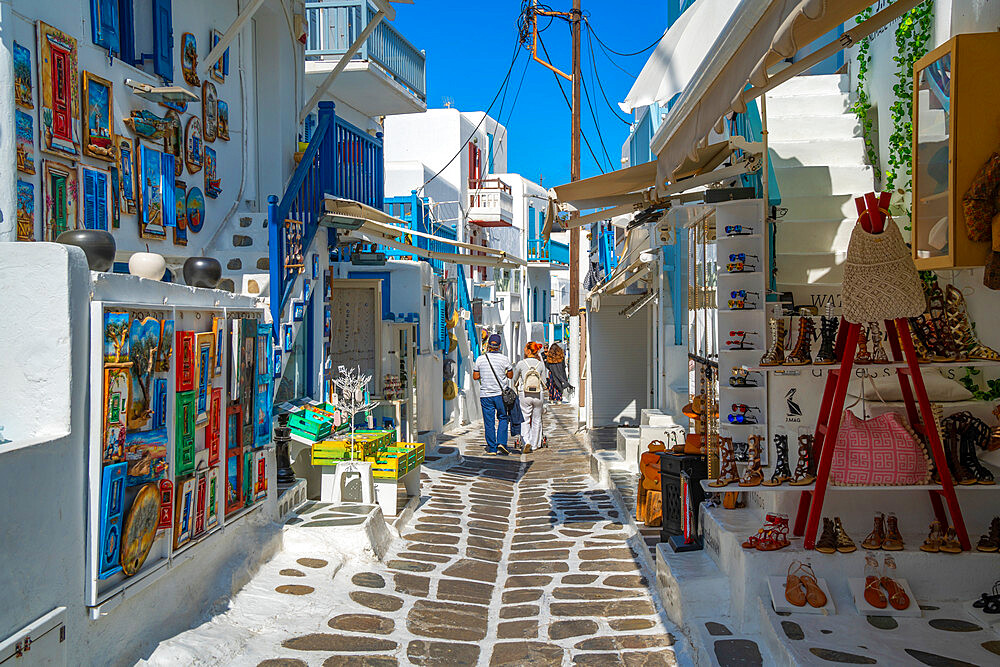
753, 475
801, 353
802, 474
878, 350
845, 544
795, 592
727, 464
775, 354
773, 535
935, 537
950, 544
802, 586
827, 542
873, 584
829, 324
962, 328
781, 473
893, 539
769, 522
897, 596
876, 538
990, 542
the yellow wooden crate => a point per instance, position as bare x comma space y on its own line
331, 452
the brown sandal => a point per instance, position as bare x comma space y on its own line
873, 592
893, 540
794, 589
814, 594
753, 475
876, 538
897, 596
935, 536
827, 542
951, 545
845, 544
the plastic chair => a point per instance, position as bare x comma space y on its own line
342, 477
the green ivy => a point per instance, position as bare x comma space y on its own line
863, 104
992, 393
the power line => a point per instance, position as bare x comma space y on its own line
597, 127
619, 53
600, 85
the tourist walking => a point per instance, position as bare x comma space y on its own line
529, 378
555, 362
488, 369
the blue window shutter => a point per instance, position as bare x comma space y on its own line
163, 39
531, 223
126, 31
168, 192
541, 222
104, 24
101, 200
489, 158
89, 199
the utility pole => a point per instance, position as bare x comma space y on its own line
574, 233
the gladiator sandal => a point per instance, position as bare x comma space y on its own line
975, 433
776, 537
828, 338
727, 464
990, 542
878, 351
962, 328
876, 538
802, 474
863, 356
893, 539
827, 542
994, 443
753, 475
801, 353
781, 473
935, 536
947, 349
775, 355
953, 440
769, 522
845, 544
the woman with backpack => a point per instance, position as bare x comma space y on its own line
529, 378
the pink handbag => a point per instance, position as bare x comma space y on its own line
878, 452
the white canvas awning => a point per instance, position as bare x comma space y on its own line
610, 189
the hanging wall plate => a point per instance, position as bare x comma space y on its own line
140, 529
194, 147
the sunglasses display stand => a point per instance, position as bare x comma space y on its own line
748, 318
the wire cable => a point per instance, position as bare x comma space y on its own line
597, 128
593, 64
619, 53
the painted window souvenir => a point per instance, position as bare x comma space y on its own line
234, 481
222, 132
116, 211
220, 69
277, 362
184, 432
151, 223
25, 211
183, 511
262, 406
117, 385
248, 478
159, 402
234, 428
213, 183
140, 529
209, 110
247, 375
212, 510
194, 145
186, 369
60, 188
219, 356
167, 190
189, 59
146, 455
23, 90
96, 197
180, 202
214, 424
57, 79
199, 510
144, 344
98, 105
315, 267
166, 489
147, 124
195, 209
166, 346
117, 326
173, 140
126, 166
204, 349
112, 508
260, 483
306, 290
298, 310
326, 321
287, 337
25, 135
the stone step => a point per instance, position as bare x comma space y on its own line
813, 236
833, 104
849, 151
810, 128
820, 84
817, 208
821, 180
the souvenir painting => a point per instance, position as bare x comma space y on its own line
147, 124
60, 189
220, 69
260, 482
298, 310
183, 519
166, 490
234, 481
166, 346
222, 131
57, 80
212, 510
328, 292
306, 290
204, 348
326, 321
286, 336
23, 90
262, 391
219, 327
25, 211
25, 134
248, 369
185, 360
234, 427
96, 197
150, 181
209, 110
117, 385
189, 59
184, 432
248, 478
116, 217
144, 345
199, 508
146, 456
315, 267
112, 509
180, 203
277, 362
117, 326
159, 404
126, 166
193, 145
195, 209
173, 140
212, 430
213, 184
140, 529
98, 141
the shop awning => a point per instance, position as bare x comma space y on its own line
609, 189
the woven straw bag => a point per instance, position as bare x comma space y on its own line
880, 279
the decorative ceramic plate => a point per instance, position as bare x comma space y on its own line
195, 209
140, 528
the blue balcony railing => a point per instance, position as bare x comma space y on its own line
548, 251
333, 25
341, 161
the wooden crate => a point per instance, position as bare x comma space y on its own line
331, 452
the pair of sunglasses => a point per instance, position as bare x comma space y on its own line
741, 304
742, 419
743, 408
739, 267
741, 294
740, 257
738, 230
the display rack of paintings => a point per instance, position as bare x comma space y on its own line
194, 145
126, 167
25, 137
25, 210
180, 203
189, 59
60, 188
195, 209
60, 97
98, 105
222, 132
97, 194
24, 94
213, 183
219, 70
209, 110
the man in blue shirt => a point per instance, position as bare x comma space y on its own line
488, 371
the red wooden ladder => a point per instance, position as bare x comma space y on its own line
911, 384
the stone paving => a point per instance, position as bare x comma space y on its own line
518, 560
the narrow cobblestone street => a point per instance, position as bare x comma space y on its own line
509, 561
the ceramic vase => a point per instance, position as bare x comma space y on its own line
97, 244
147, 265
202, 272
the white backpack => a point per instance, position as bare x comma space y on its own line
532, 381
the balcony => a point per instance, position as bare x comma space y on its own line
386, 76
548, 251
491, 203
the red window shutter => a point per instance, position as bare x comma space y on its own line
62, 120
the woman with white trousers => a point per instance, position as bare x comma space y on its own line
530, 375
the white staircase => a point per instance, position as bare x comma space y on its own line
819, 161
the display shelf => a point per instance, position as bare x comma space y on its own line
833, 488
738, 236
891, 364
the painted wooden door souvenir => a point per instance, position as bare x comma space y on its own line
183, 510
205, 348
159, 404
212, 429
180, 203
143, 347
262, 405
25, 210
23, 88
209, 110
150, 191
146, 455
117, 385
116, 211
234, 428
57, 78
234, 481
194, 145
220, 69
173, 140
117, 326
212, 510
248, 478
186, 365
199, 515
248, 347
60, 188
140, 529
184, 433
112, 507
24, 133
97, 123
166, 489
126, 166
166, 346
260, 484
96, 197
219, 356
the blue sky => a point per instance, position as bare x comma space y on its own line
469, 47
